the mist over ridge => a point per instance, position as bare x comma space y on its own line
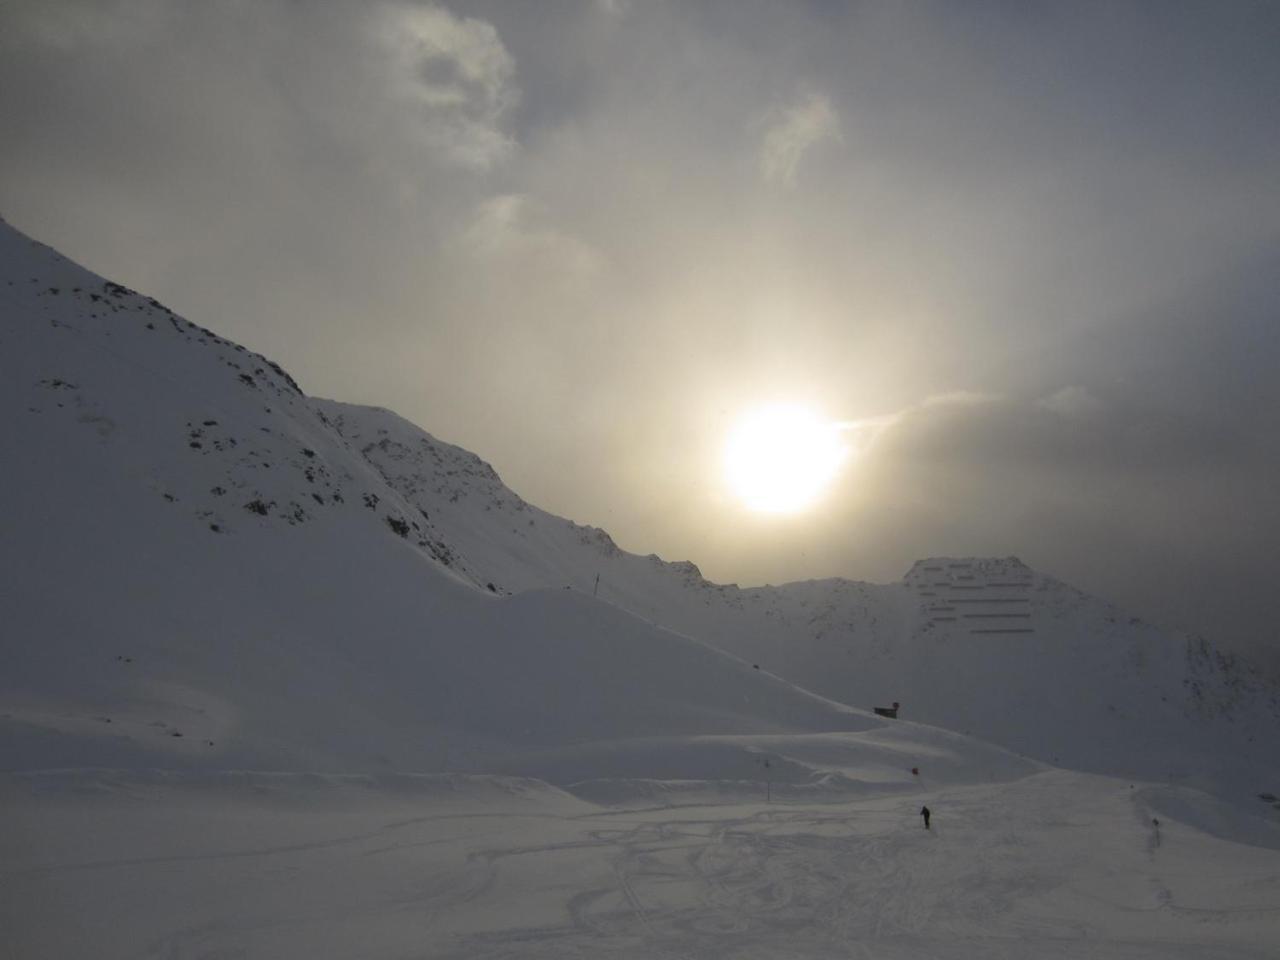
581, 240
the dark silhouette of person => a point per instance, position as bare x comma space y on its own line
924, 812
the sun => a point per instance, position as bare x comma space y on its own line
781, 458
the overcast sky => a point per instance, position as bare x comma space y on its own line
1037, 245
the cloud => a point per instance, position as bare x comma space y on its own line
69, 25
517, 228
959, 399
792, 132
1049, 438
864, 434
1071, 402
458, 75
552, 214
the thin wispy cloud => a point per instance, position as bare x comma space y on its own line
1071, 402
73, 24
517, 227
792, 132
458, 75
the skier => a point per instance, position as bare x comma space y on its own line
924, 812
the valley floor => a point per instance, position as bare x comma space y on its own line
1055, 865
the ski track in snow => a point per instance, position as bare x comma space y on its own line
1056, 865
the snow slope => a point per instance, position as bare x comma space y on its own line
199, 572
1053, 866
984, 646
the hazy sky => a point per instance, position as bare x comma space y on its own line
1037, 244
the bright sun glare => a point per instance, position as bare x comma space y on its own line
780, 458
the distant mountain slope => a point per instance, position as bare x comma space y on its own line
984, 646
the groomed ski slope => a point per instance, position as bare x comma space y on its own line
1050, 865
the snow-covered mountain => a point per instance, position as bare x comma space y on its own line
199, 571
982, 646
203, 564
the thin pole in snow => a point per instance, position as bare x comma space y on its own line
596, 588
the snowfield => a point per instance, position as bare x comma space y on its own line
1051, 865
282, 677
